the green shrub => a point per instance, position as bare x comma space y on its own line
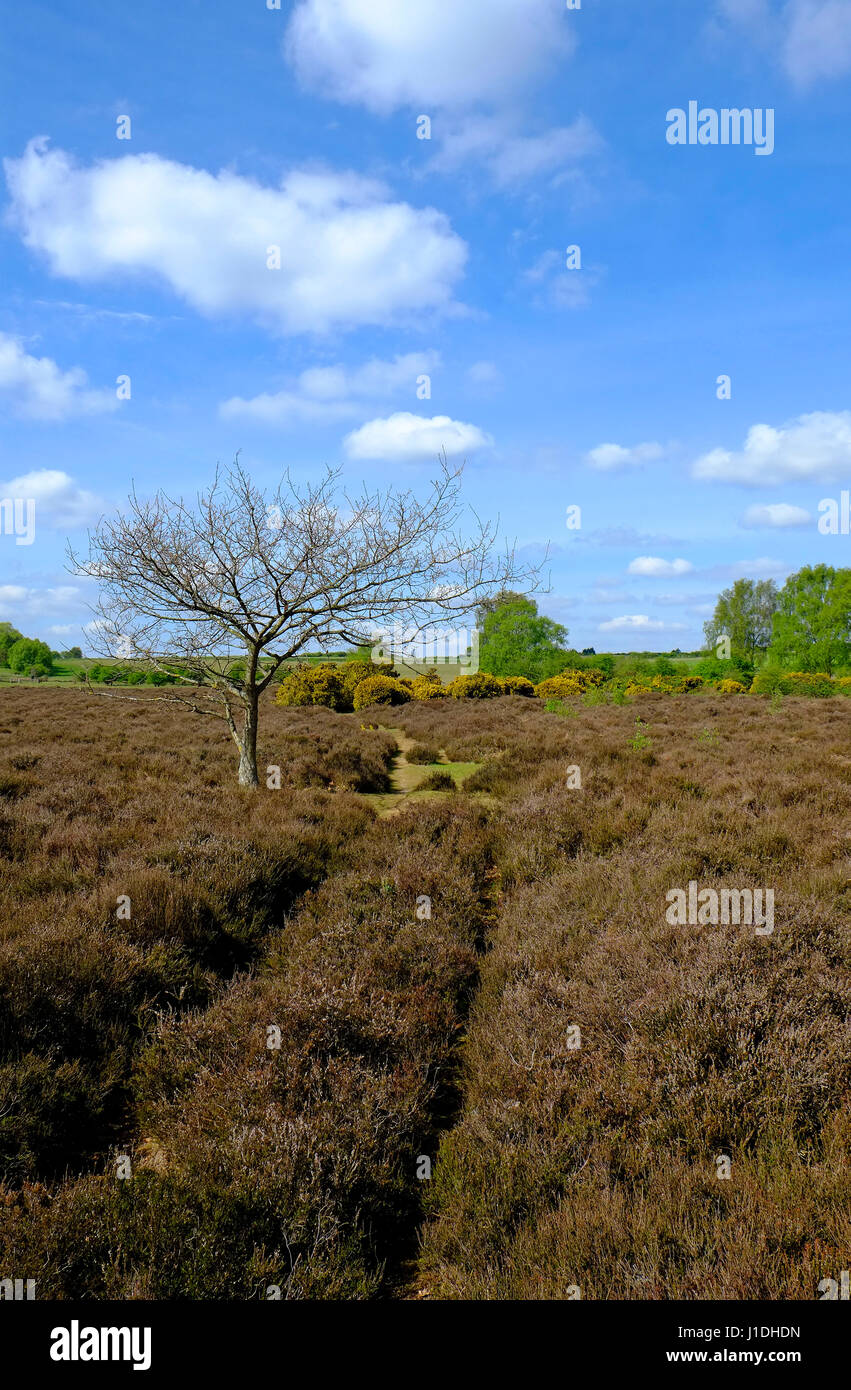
438, 782
422, 754
773, 680
380, 690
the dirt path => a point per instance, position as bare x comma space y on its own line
406, 778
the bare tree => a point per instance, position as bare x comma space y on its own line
186, 588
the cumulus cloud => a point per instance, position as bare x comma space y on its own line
60, 503
609, 458
809, 447
37, 389
411, 438
811, 39
20, 601
383, 55
639, 622
651, 566
778, 515
349, 255
448, 60
325, 394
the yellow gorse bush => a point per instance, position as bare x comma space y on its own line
568, 683
380, 690
428, 688
516, 685
480, 686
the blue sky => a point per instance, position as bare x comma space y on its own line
402, 257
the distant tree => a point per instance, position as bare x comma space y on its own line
73, 652
8, 637
812, 627
188, 587
28, 652
518, 641
490, 604
588, 651
744, 614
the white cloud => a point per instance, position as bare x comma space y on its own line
349, 256
607, 458
445, 59
37, 389
510, 157
677, 600
604, 596
817, 43
484, 376
776, 514
811, 39
325, 394
60, 503
410, 437
762, 568
22, 602
556, 285
651, 566
383, 54
639, 622
812, 446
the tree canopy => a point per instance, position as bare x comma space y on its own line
744, 614
812, 626
517, 640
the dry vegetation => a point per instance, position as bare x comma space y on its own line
404, 1035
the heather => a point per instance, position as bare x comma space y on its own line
321, 983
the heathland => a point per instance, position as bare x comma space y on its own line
414, 1023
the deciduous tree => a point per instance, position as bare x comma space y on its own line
186, 587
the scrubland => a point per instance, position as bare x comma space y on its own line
268, 1008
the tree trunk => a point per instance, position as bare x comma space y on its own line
247, 744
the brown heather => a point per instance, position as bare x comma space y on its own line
444, 1036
